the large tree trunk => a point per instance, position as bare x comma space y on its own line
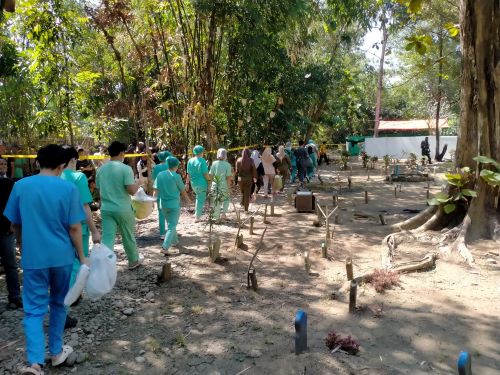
378, 105
480, 100
438, 156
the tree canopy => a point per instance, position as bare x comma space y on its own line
232, 72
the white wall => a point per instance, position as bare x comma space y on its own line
396, 146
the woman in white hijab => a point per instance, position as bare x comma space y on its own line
260, 174
269, 171
284, 165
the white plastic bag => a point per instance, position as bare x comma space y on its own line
102, 276
143, 204
77, 288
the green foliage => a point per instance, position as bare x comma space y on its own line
459, 191
490, 177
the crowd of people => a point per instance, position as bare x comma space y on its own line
49, 215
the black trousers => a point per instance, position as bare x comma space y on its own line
321, 157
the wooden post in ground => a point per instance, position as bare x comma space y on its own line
395, 192
251, 275
327, 225
324, 250
353, 290
334, 198
400, 187
265, 213
307, 263
349, 182
166, 273
382, 219
250, 229
253, 278
348, 269
272, 208
366, 196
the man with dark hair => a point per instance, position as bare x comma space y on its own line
7, 247
78, 179
83, 164
46, 214
116, 183
322, 154
302, 161
426, 150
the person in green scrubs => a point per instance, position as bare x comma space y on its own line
197, 174
70, 174
17, 165
169, 187
221, 176
162, 166
116, 183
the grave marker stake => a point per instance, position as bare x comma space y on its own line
353, 290
464, 364
324, 250
382, 219
348, 269
300, 332
366, 196
250, 229
265, 213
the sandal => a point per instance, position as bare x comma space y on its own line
30, 371
63, 356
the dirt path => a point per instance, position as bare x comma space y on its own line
206, 321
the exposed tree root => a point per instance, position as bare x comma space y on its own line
435, 222
415, 221
494, 224
459, 245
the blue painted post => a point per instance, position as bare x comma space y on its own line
300, 332
396, 169
464, 364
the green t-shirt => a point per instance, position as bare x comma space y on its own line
18, 168
111, 180
159, 168
196, 168
222, 169
170, 185
81, 183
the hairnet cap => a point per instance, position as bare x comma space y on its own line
162, 156
198, 150
221, 153
172, 162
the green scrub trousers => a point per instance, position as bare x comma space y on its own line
125, 223
161, 218
222, 202
172, 215
201, 197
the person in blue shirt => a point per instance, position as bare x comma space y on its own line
169, 187
160, 167
46, 214
197, 174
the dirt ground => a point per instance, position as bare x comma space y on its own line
206, 321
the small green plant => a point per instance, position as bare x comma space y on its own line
180, 340
345, 159
412, 160
364, 159
387, 162
492, 178
459, 192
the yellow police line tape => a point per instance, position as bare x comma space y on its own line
102, 157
